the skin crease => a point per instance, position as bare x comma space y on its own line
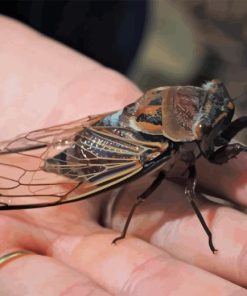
165, 252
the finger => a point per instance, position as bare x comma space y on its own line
167, 220
229, 180
30, 236
35, 229
132, 267
41, 275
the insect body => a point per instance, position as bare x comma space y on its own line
77, 160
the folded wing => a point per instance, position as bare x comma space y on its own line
65, 163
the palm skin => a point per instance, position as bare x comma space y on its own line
166, 250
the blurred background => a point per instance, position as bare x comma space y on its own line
192, 41
153, 42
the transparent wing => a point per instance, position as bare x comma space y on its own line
43, 137
65, 163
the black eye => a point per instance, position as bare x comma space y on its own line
206, 129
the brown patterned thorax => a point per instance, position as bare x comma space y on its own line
179, 113
145, 115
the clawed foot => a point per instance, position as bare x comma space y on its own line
117, 239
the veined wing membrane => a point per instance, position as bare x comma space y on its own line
47, 136
56, 167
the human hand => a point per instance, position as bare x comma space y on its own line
166, 250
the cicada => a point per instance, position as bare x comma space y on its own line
77, 160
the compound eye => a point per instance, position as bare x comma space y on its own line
203, 128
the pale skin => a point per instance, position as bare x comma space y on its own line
165, 253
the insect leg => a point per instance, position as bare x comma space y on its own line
235, 127
141, 198
190, 193
225, 153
